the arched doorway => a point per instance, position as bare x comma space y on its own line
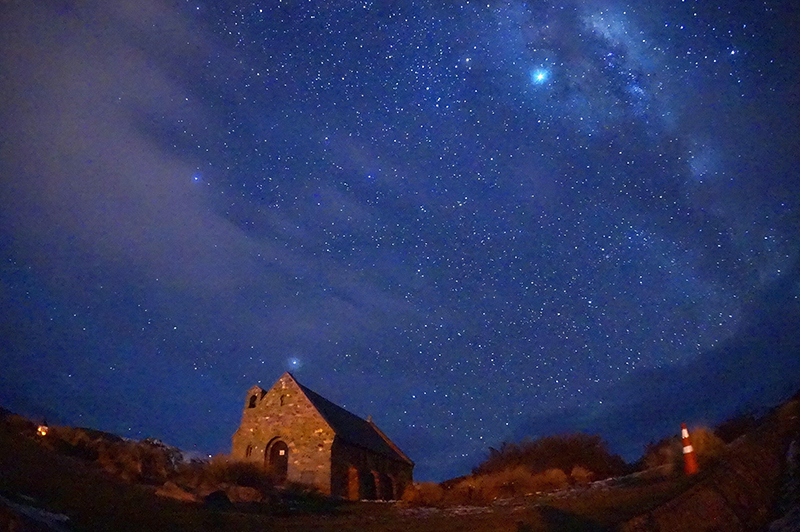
368, 488
277, 456
386, 487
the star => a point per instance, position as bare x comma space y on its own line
540, 76
566, 202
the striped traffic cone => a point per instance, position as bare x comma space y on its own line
689, 456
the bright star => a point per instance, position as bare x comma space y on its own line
540, 76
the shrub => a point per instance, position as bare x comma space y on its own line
515, 482
19, 424
667, 454
483, 489
148, 461
736, 427
550, 480
424, 494
73, 442
708, 446
555, 452
506, 483
223, 469
465, 491
662, 455
581, 476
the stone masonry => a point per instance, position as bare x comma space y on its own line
302, 437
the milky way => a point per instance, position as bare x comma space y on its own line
476, 222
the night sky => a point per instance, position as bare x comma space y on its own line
474, 221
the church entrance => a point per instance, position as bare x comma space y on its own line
278, 460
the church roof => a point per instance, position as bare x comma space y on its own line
352, 429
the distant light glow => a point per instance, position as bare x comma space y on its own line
293, 363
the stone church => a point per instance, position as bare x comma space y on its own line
302, 437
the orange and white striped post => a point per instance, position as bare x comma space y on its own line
689, 456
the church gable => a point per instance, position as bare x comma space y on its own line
283, 430
302, 437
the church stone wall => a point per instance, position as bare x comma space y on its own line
284, 413
358, 473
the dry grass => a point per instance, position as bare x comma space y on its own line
484, 489
151, 462
562, 452
424, 494
581, 476
97, 500
223, 470
610, 506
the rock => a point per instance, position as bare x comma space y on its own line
790, 493
171, 490
217, 500
16, 516
790, 522
243, 494
206, 488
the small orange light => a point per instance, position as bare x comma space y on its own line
42, 430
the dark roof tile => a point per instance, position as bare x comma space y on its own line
352, 429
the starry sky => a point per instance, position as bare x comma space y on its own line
474, 221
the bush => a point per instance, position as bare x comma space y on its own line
73, 442
465, 491
736, 427
581, 476
555, 452
19, 424
667, 454
662, 455
222, 469
506, 483
148, 461
551, 480
424, 494
708, 446
516, 482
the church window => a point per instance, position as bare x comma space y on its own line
252, 403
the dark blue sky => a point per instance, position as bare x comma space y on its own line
474, 221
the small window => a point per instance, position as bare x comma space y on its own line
283, 399
252, 402
248, 451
